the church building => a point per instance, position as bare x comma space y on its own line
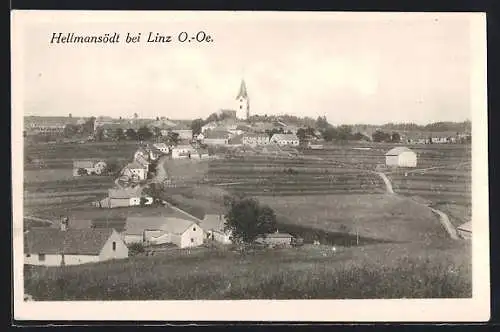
242, 103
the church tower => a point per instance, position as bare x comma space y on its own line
242, 103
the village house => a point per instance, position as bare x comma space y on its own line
160, 230
55, 247
200, 137
162, 147
285, 139
401, 157
136, 170
255, 139
216, 138
465, 230
213, 226
124, 197
276, 239
90, 166
183, 151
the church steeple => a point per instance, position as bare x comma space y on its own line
243, 91
242, 103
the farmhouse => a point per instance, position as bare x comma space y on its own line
208, 126
216, 138
401, 157
89, 166
213, 226
465, 230
255, 139
55, 247
285, 139
159, 230
276, 239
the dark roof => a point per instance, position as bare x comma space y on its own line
71, 241
243, 90
278, 235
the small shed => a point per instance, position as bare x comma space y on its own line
401, 157
276, 239
465, 230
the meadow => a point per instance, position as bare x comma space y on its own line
437, 270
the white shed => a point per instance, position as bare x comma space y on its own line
401, 157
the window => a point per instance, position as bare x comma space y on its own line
194, 229
28, 255
241, 107
114, 246
41, 257
192, 240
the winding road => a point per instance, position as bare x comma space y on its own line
443, 218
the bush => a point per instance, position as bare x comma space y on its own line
135, 248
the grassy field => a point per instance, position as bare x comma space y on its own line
61, 156
439, 270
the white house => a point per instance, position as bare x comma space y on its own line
162, 147
90, 166
213, 226
275, 239
182, 151
159, 230
401, 157
54, 247
285, 139
208, 126
465, 230
136, 169
255, 139
124, 197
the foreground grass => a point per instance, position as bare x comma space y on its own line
382, 271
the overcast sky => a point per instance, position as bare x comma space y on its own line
354, 69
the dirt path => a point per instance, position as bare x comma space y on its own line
443, 218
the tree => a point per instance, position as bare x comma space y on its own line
156, 133
247, 219
82, 171
395, 138
88, 126
196, 125
136, 115
144, 133
344, 133
119, 134
173, 137
301, 134
330, 134
131, 134
322, 123
112, 167
380, 136
99, 134
70, 130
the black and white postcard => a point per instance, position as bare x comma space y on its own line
250, 166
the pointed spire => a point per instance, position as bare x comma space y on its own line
243, 90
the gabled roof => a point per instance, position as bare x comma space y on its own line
397, 151
278, 235
243, 91
137, 225
72, 241
160, 145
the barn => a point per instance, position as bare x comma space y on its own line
401, 157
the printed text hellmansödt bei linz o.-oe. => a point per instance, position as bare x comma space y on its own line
70, 37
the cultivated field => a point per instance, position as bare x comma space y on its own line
415, 270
